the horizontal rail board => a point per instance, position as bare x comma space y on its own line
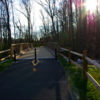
73, 62
64, 49
78, 54
93, 80
4, 51
5, 58
63, 56
93, 62
77, 64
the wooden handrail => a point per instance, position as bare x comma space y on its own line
4, 51
81, 55
63, 56
84, 68
18, 47
77, 64
93, 62
5, 58
93, 80
76, 53
64, 49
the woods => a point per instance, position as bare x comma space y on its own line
12, 30
75, 25
70, 23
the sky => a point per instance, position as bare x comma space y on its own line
23, 19
35, 12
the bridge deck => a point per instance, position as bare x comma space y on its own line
42, 52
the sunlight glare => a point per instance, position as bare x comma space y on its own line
91, 5
34, 69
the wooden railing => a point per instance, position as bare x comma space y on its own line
85, 60
18, 47
1, 59
52, 46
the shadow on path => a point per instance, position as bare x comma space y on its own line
23, 81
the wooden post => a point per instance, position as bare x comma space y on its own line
84, 64
31, 45
14, 55
35, 55
69, 55
20, 47
55, 54
11, 52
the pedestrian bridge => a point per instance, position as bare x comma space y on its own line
41, 53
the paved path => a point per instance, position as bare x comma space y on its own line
42, 52
23, 81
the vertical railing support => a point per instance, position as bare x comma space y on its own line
14, 55
84, 64
35, 54
69, 55
55, 54
11, 52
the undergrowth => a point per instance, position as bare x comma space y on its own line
84, 90
5, 65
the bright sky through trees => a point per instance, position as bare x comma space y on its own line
91, 5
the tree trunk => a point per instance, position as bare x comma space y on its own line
8, 24
84, 26
1, 30
13, 20
71, 22
54, 30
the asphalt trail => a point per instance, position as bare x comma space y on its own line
23, 81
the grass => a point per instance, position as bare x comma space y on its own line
95, 72
84, 90
5, 65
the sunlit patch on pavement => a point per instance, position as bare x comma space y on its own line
34, 69
35, 63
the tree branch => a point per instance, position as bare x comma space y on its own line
21, 12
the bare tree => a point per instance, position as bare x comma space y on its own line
1, 25
71, 24
50, 7
44, 24
6, 3
13, 18
27, 4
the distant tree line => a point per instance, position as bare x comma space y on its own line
19, 33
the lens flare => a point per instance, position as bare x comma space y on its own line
91, 5
34, 69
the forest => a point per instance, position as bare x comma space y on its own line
70, 23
